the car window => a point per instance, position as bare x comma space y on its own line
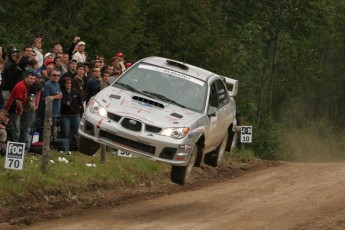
218, 94
222, 92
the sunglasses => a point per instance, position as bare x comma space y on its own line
56, 75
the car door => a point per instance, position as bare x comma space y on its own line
218, 99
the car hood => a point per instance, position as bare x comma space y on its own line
148, 110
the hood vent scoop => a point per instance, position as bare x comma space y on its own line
147, 101
115, 96
176, 115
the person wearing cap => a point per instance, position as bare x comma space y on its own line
49, 66
71, 71
9, 72
80, 55
19, 107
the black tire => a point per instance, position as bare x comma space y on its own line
213, 158
180, 174
87, 146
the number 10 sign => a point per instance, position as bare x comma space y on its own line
15, 155
246, 134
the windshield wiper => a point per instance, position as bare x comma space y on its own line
163, 98
131, 88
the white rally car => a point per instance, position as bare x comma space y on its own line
164, 110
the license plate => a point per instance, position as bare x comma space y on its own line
124, 154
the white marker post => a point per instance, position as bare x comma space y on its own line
15, 153
246, 134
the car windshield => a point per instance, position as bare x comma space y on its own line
166, 85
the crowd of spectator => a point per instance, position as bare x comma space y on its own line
68, 76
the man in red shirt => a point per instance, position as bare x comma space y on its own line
19, 107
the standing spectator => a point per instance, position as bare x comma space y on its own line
36, 90
71, 104
110, 69
79, 85
23, 62
1, 69
74, 47
58, 65
8, 74
101, 61
4, 120
28, 51
37, 47
19, 107
72, 70
104, 82
80, 55
49, 65
121, 58
52, 90
65, 59
78, 82
93, 85
57, 48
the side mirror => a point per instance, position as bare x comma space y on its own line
211, 111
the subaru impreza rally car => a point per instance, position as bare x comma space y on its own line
165, 110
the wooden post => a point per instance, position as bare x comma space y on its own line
46, 133
103, 150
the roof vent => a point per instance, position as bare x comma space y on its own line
178, 64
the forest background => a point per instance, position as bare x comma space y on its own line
288, 55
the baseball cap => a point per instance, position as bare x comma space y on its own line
119, 55
47, 62
46, 55
72, 60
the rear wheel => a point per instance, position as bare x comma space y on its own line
180, 174
87, 146
213, 158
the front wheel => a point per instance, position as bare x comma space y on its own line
213, 158
87, 146
180, 174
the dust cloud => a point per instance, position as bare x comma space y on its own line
313, 143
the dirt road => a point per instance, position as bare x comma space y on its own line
291, 196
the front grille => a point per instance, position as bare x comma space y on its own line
152, 129
131, 124
127, 142
114, 117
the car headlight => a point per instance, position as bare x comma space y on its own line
97, 108
176, 133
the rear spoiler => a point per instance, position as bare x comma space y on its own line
232, 86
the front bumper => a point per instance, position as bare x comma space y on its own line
140, 142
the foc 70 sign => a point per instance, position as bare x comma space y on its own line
15, 155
